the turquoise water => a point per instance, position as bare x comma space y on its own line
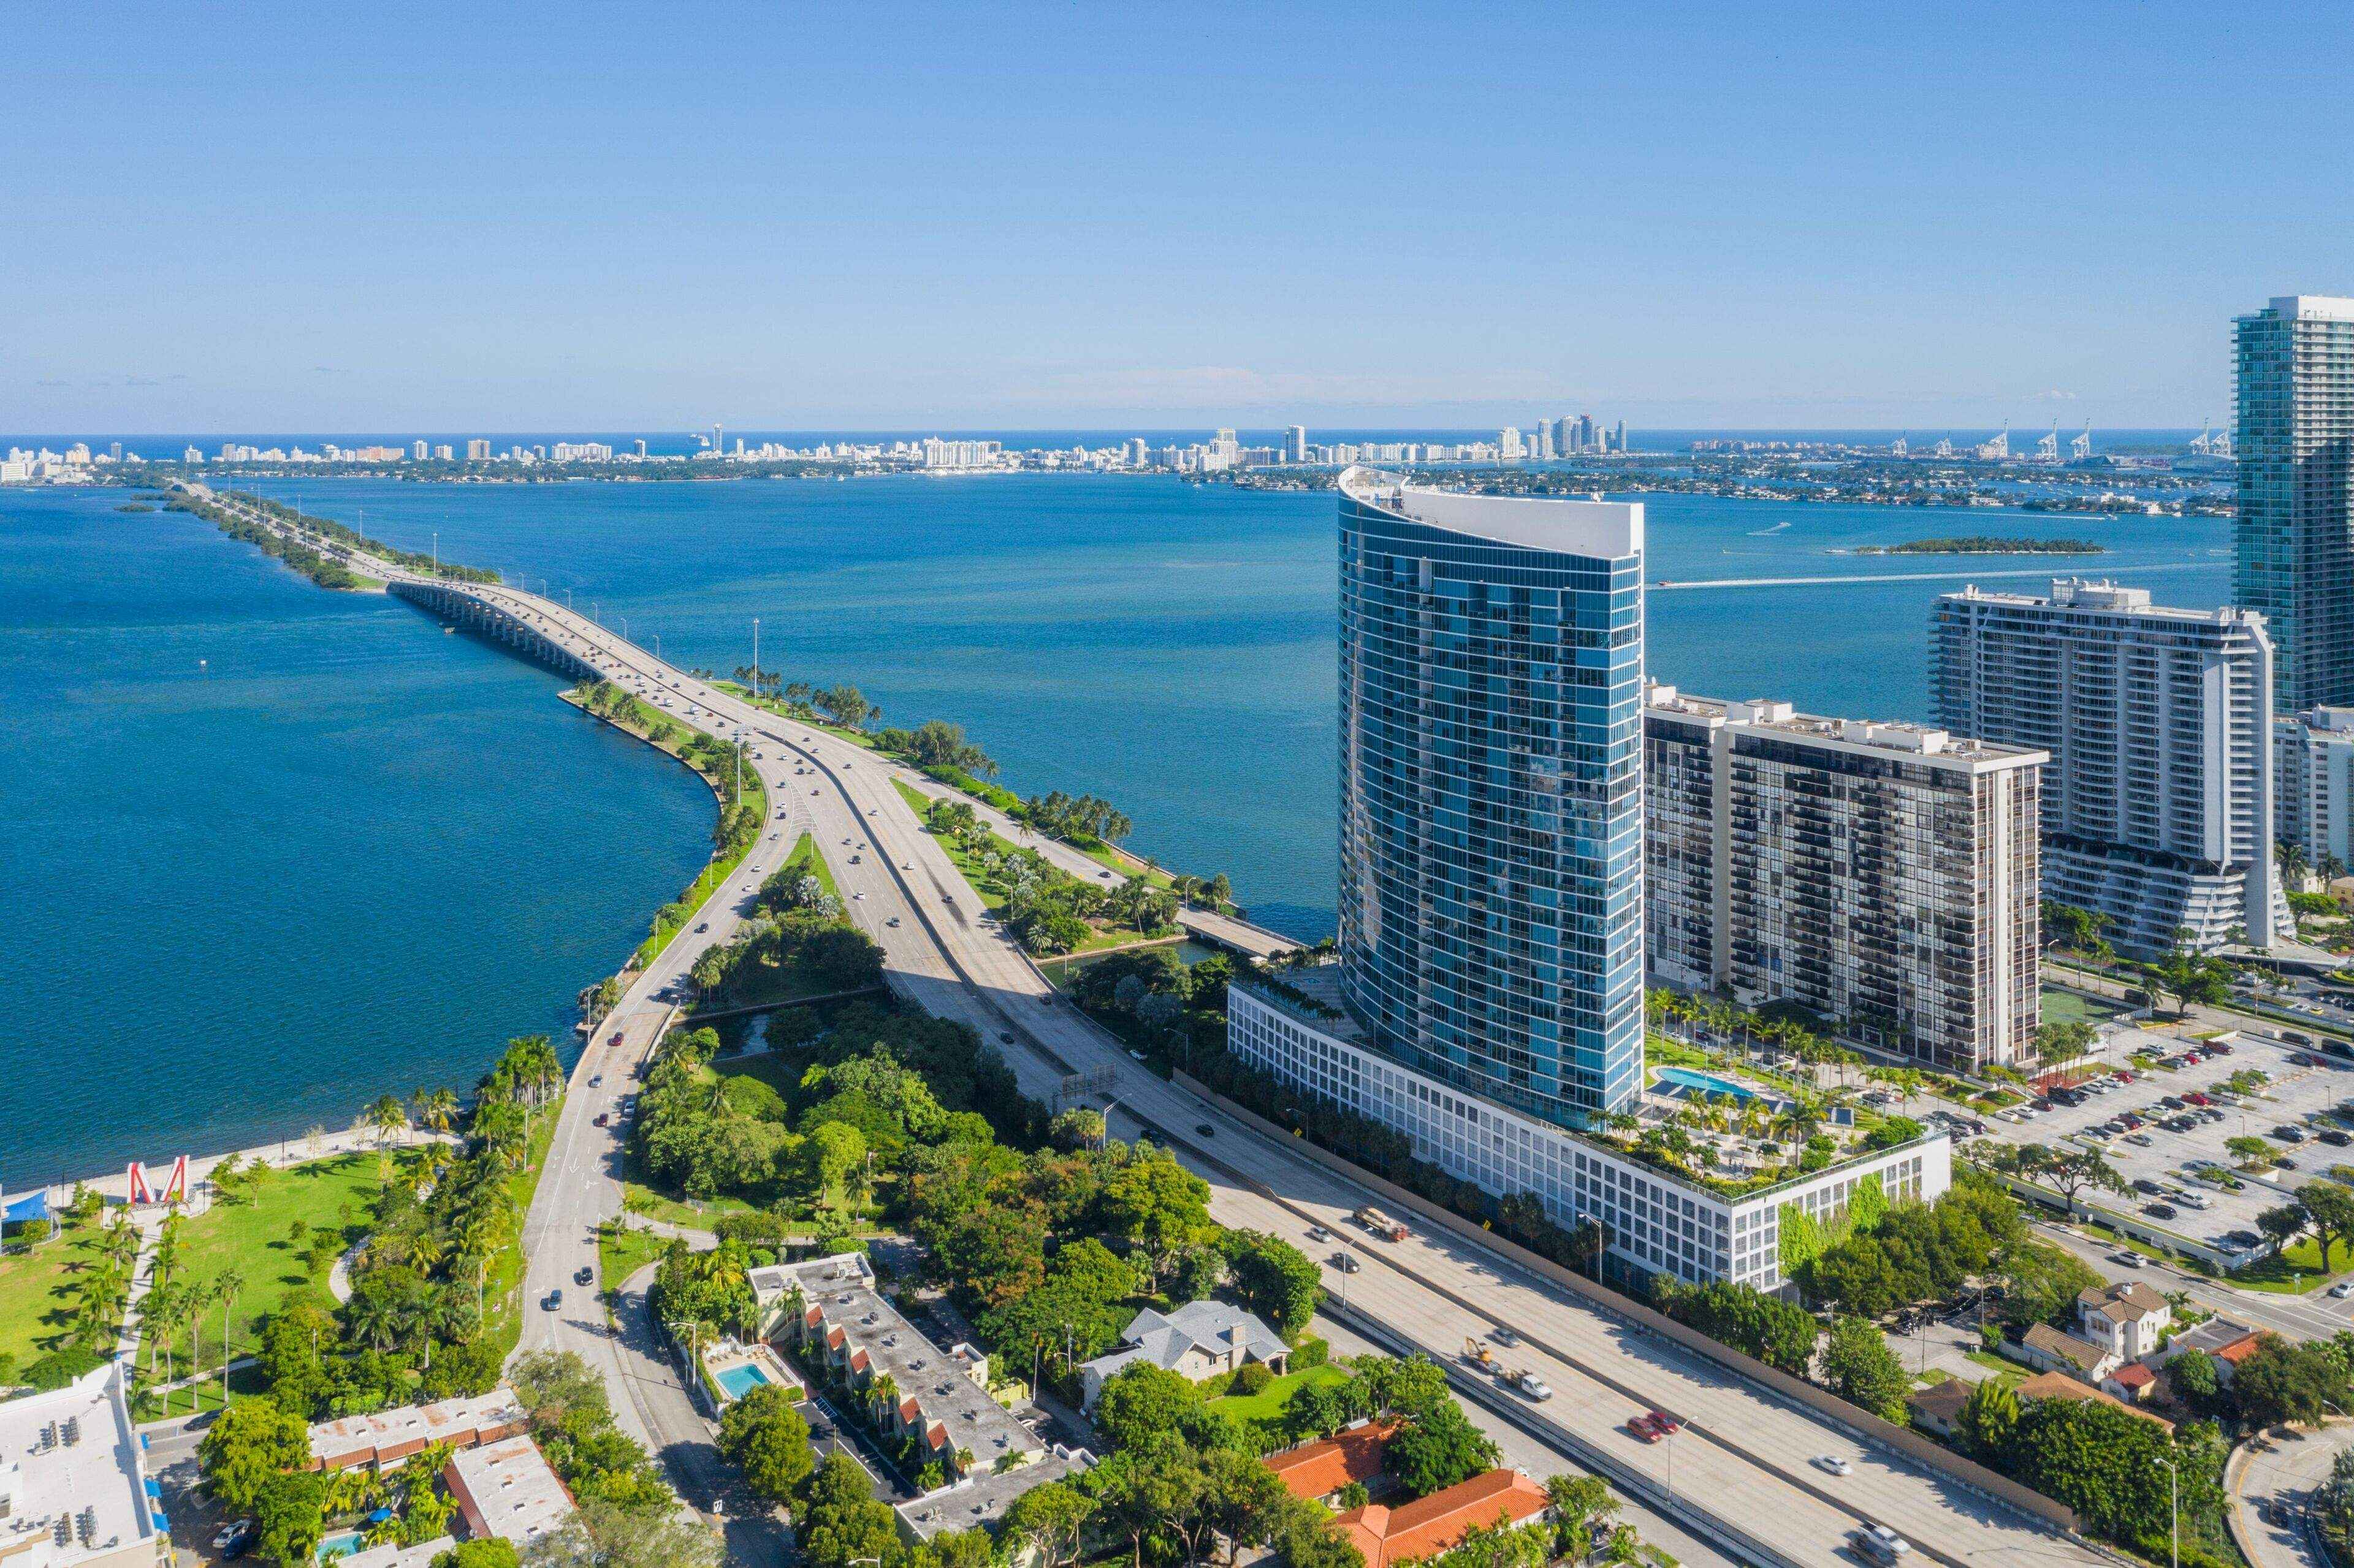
271, 852
1710, 1083
740, 1380
340, 1546
354, 854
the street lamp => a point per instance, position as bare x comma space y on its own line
2173, 1512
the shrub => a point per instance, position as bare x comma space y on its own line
1250, 1378
1313, 1351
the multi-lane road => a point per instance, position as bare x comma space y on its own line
1745, 1462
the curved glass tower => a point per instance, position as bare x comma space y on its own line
1492, 790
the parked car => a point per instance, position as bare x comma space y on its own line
236, 1537
2159, 1211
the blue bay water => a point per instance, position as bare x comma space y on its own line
393, 847
342, 855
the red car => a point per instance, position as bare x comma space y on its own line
1662, 1422
2196, 1098
1640, 1426
604, 1118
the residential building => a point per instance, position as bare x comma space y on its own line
508, 1490
2313, 784
1491, 867
1880, 874
2292, 557
2054, 1350
2229, 1343
2128, 1320
385, 1438
2132, 1384
2059, 1386
1649, 1219
392, 1554
829, 1311
1427, 1526
1295, 446
1316, 1472
478, 450
74, 1491
1200, 1339
1937, 1408
2158, 803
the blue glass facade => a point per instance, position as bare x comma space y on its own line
1491, 792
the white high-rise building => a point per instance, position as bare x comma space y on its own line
1295, 447
1882, 875
2313, 794
2157, 805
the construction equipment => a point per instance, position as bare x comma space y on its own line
1479, 1354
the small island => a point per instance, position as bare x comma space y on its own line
1984, 544
133, 506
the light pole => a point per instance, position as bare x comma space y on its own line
756, 661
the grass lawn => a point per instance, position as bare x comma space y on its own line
250, 1236
2294, 1271
805, 859
2008, 1370
641, 1199
970, 869
152, 1406
1269, 1403
621, 1253
2074, 1007
36, 1293
503, 1287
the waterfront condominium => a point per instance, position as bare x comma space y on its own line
2294, 555
2158, 803
1880, 874
1488, 1001
2313, 791
1491, 823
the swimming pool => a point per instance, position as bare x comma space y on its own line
741, 1379
343, 1544
1691, 1082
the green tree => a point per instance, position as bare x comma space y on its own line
763, 1435
2286, 1383
1273, 1279
1860, 1369
1141, 1402
1049, 1519
290, 1513
2330, 1207
1436, 1449
246, 1446
604, 1535
490, 1551
1987, 1418
2042, 1282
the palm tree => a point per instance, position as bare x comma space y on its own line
436, 1108
884, 1394
2291, 859
386, 1118
225, 1285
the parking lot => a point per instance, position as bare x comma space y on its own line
2185, 1179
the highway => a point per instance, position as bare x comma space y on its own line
1745, 1460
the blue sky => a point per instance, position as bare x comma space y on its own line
858, 215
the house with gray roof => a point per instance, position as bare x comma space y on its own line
1198, 1340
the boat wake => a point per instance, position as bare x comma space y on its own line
1776, 529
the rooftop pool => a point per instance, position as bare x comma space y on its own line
1687, 1082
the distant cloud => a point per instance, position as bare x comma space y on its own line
329, 370
2054, 396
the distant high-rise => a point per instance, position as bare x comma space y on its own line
1618, 441
1295, 447
1540, 445
1491, 794
2158, 803
417, 450
2293, 559
478, 450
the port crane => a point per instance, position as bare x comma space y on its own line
1998, 448
2047, 446
1899, 447
2209, 441
1944, 449
2079, 449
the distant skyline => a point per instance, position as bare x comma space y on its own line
954, 218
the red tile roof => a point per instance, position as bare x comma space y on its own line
1430, 1525
1315, 1470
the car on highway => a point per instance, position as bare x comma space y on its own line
2342, 1289
1666, 1423
604, 1118
552, 1300
1881, 1543
1318, 1233
595, 1080
1346, 1262
893, 921
583, 1274
706, 926
1640, 1426
1204, 1129
1006, 1036
2125, 1259
1833, 1464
